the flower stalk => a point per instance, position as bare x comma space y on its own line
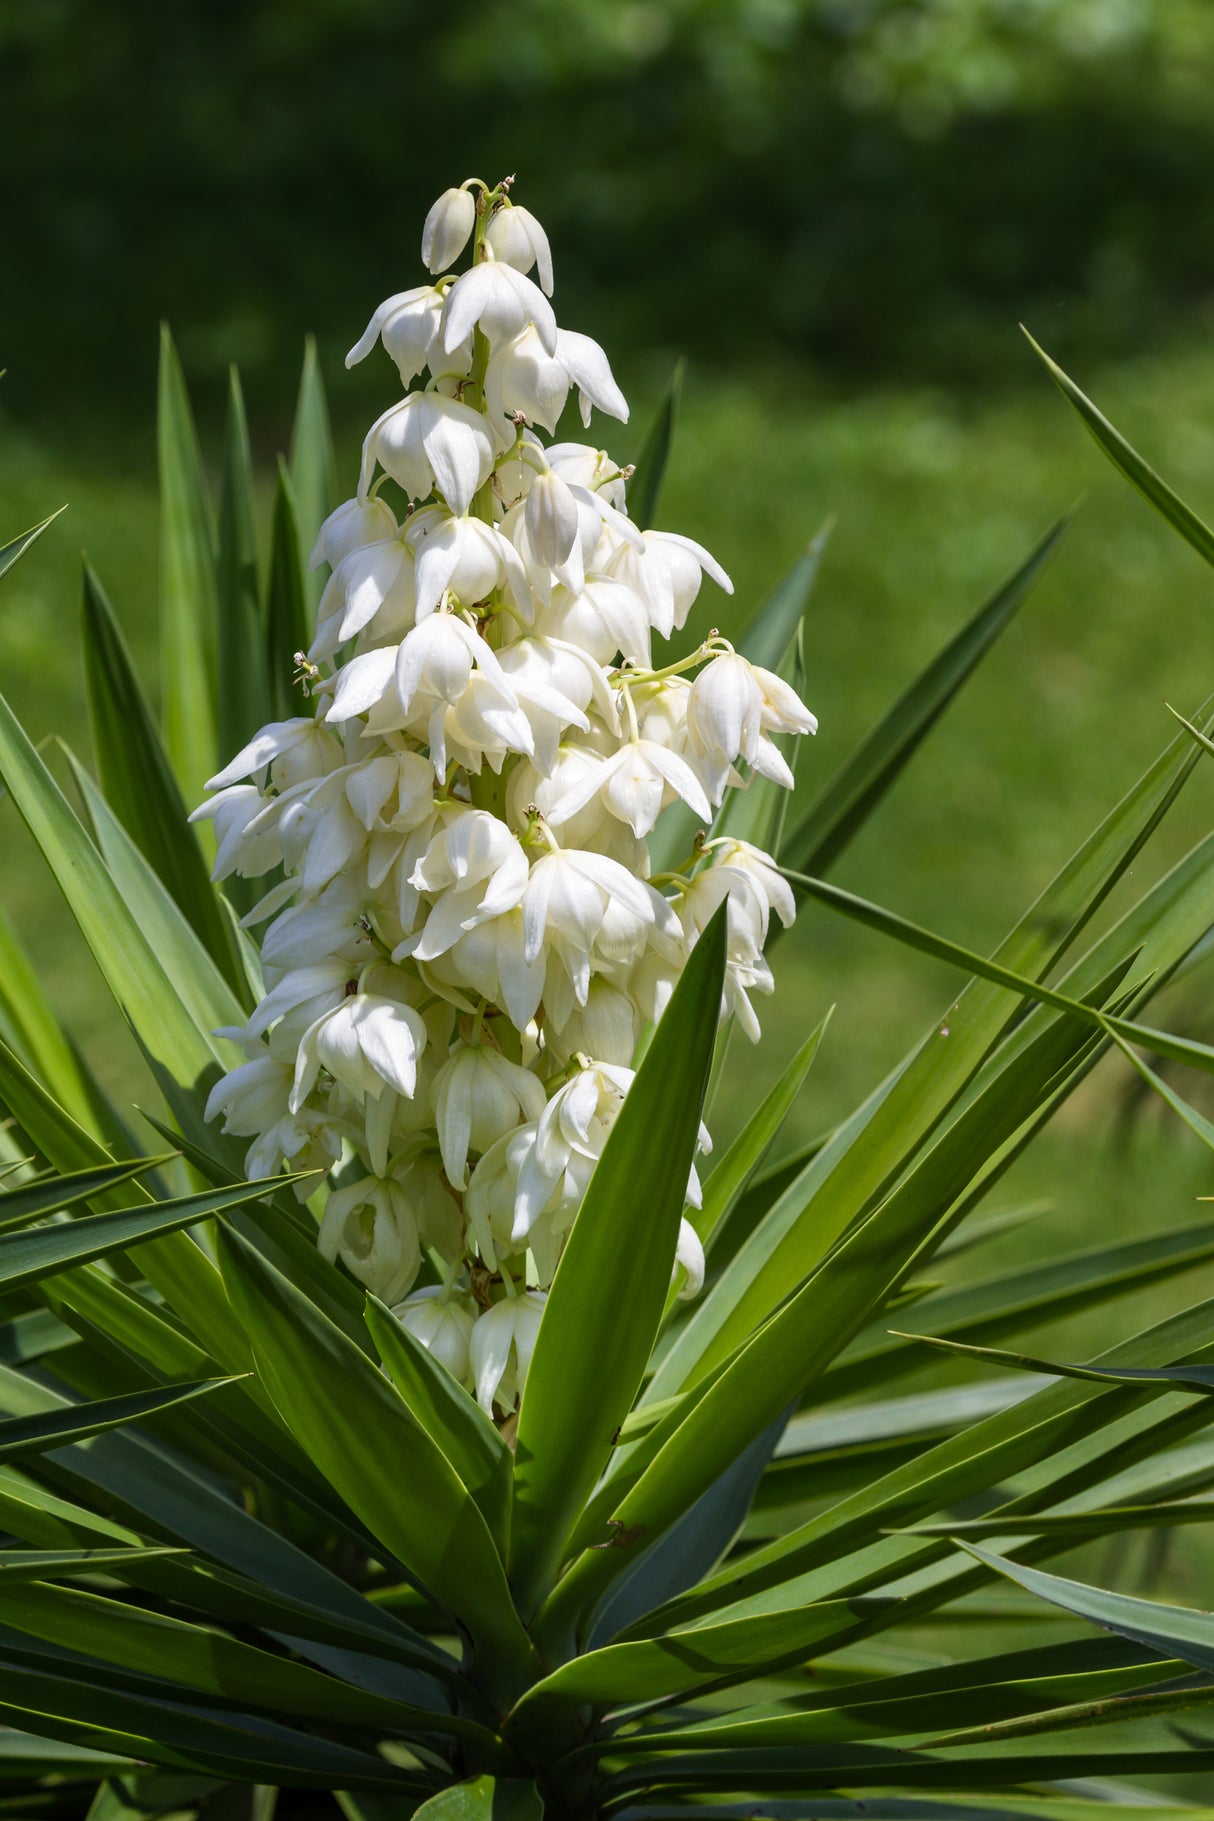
462, 943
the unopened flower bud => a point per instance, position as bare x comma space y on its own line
448, 228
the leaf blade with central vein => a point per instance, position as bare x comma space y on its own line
588, 1361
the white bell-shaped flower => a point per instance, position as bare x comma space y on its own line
665, 570
442, 1321
635, 783
490, 959
526, 379
607, 1026
689, 1257
448, 229
433, 671
479, 1095
473, 870
502, 1344
732, 707
500, 301
409, 324
569, 1140
492, 1191
464, 915
375, 583
368, 1043
430, 441
372, 1229
590, 371
354, 523
289, 751
518, 240
551, 517
463, 555
567, 901
241, 847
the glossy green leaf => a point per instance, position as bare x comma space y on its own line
1073, 1526
35, 1435
1058, 1442
252, 1575
1196, 1377
205, 991
1138, 472
589, 1361
888, 923
317, 1379
868, 1151
985, 1690
183, 1056
1174, 1631
731, 1175
312, 468
188, 597
645, 486
942, 1807
242, 703
27, 1255
453, 1419
138, 780
287, 627
28, 1201
354, 1624
30, 1025
698, 1441
178, 1268
161, 1732
849, 798
1020, 1298
484, 1799
15, 549
742, 1641
174, 1651
68, 1564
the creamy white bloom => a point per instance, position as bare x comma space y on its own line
430, 441
367, 1043
479, 1095
354, 523
666, 571
500, 1350
518, 240
409, 325
733, 707
500, 301
372, 1229
443, 1323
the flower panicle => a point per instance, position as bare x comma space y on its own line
463, 944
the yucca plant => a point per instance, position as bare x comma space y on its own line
262, 1544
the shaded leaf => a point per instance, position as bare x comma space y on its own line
188, 598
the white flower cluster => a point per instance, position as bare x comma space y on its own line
466, 943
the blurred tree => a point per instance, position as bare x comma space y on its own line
876, 183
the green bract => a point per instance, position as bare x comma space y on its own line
257, 1540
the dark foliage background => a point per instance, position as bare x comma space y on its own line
881, 185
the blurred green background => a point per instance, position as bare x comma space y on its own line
839, 210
